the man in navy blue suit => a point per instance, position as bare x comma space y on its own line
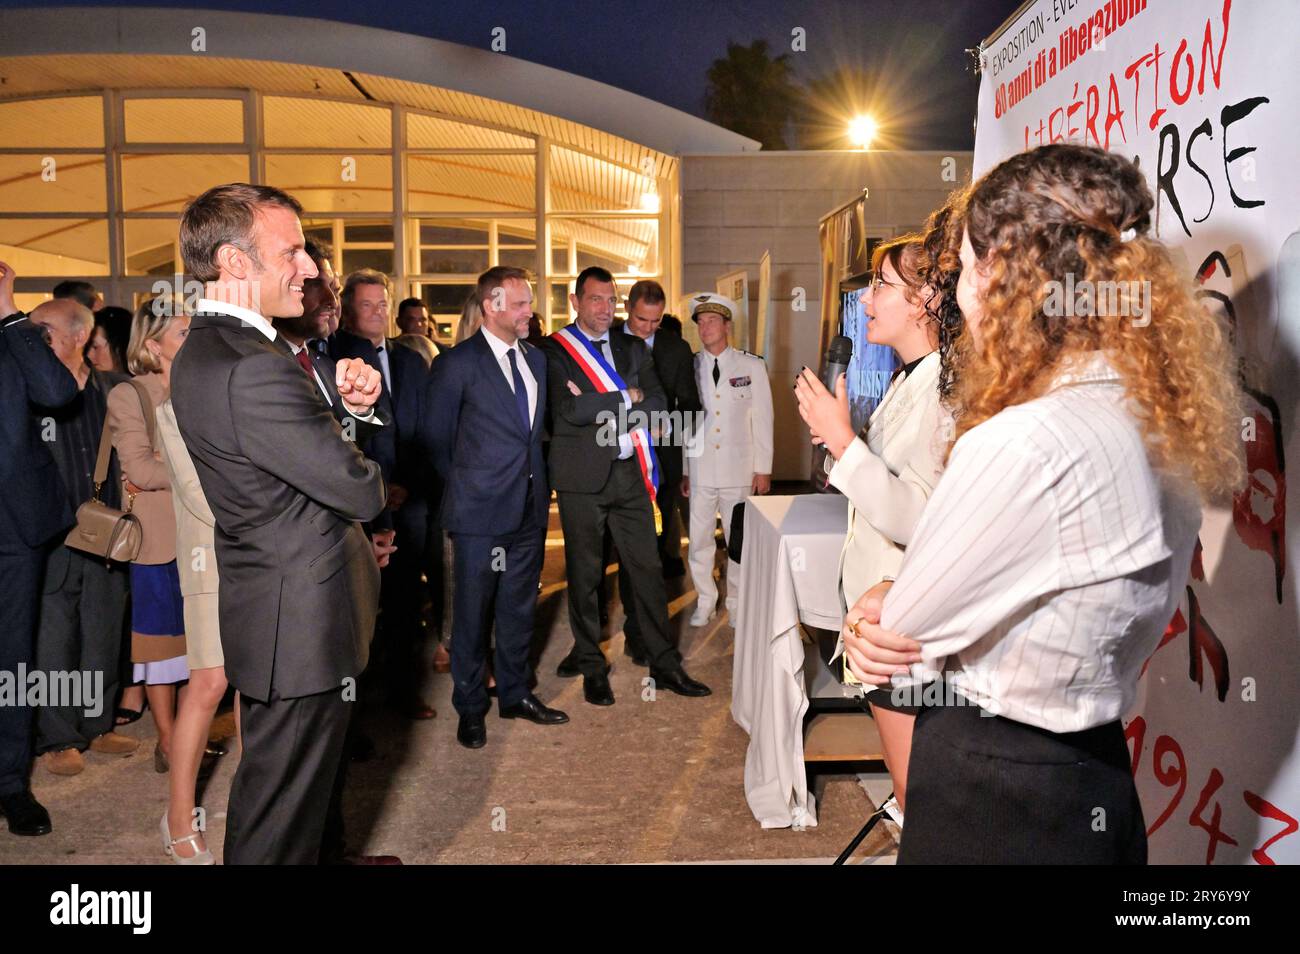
406, 521
482, 424
31, 515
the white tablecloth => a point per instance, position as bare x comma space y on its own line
789, 572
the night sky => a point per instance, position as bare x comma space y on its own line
663, 50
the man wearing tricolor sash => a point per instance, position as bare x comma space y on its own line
604, 397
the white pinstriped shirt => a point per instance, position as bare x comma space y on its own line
1049, 559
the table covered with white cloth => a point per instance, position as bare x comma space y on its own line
789, 573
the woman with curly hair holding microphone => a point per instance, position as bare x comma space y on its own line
889, 469
1052, 553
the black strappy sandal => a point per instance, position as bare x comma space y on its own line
123, 716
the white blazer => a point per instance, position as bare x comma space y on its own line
889, 477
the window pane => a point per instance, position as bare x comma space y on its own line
55, 247
560, 260
150, 246
452, 261
326, 125
470, 183
184, 120
432, 233
582, 183
164, 183
26, 301
623, 246
431, 132
445, 299
335, 183
53, 184
368, 232
522, 257
560, 304
381, 260
72, 123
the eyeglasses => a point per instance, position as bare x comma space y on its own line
878, 280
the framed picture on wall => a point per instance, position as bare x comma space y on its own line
735, 285
763, 318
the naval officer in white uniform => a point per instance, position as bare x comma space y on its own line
731, 453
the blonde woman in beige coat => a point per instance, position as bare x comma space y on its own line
157, 620
197, 566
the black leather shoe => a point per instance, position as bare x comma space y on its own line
531, 709
595, 689
472, 731
25, 814
676, 680
568, 668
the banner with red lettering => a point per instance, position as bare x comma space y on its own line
1203, 94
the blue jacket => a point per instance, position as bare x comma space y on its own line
472, 434
31, 508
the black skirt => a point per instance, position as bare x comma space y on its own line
983, 789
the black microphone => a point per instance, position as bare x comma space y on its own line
837, 361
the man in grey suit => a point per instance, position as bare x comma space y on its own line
288, 488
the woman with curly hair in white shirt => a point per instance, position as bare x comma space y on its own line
1052, 553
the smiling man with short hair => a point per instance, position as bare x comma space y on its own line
299, 584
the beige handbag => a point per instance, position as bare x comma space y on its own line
105, 531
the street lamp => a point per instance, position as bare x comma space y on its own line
862, 129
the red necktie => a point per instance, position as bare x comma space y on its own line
306, 363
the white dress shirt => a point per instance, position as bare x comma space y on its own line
649, 342
501, 351
1050, 557
246, 315
624, 439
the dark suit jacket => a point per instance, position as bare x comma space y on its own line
31, 511
395, 448
675, 365
492, 468
579, 459
299, 583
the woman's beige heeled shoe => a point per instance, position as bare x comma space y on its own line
203, 857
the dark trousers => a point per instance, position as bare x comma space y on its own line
280, 797
82, 605
20, 576
986, 790
403, 637
669, 500
334, 843
495, 578
623, 506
